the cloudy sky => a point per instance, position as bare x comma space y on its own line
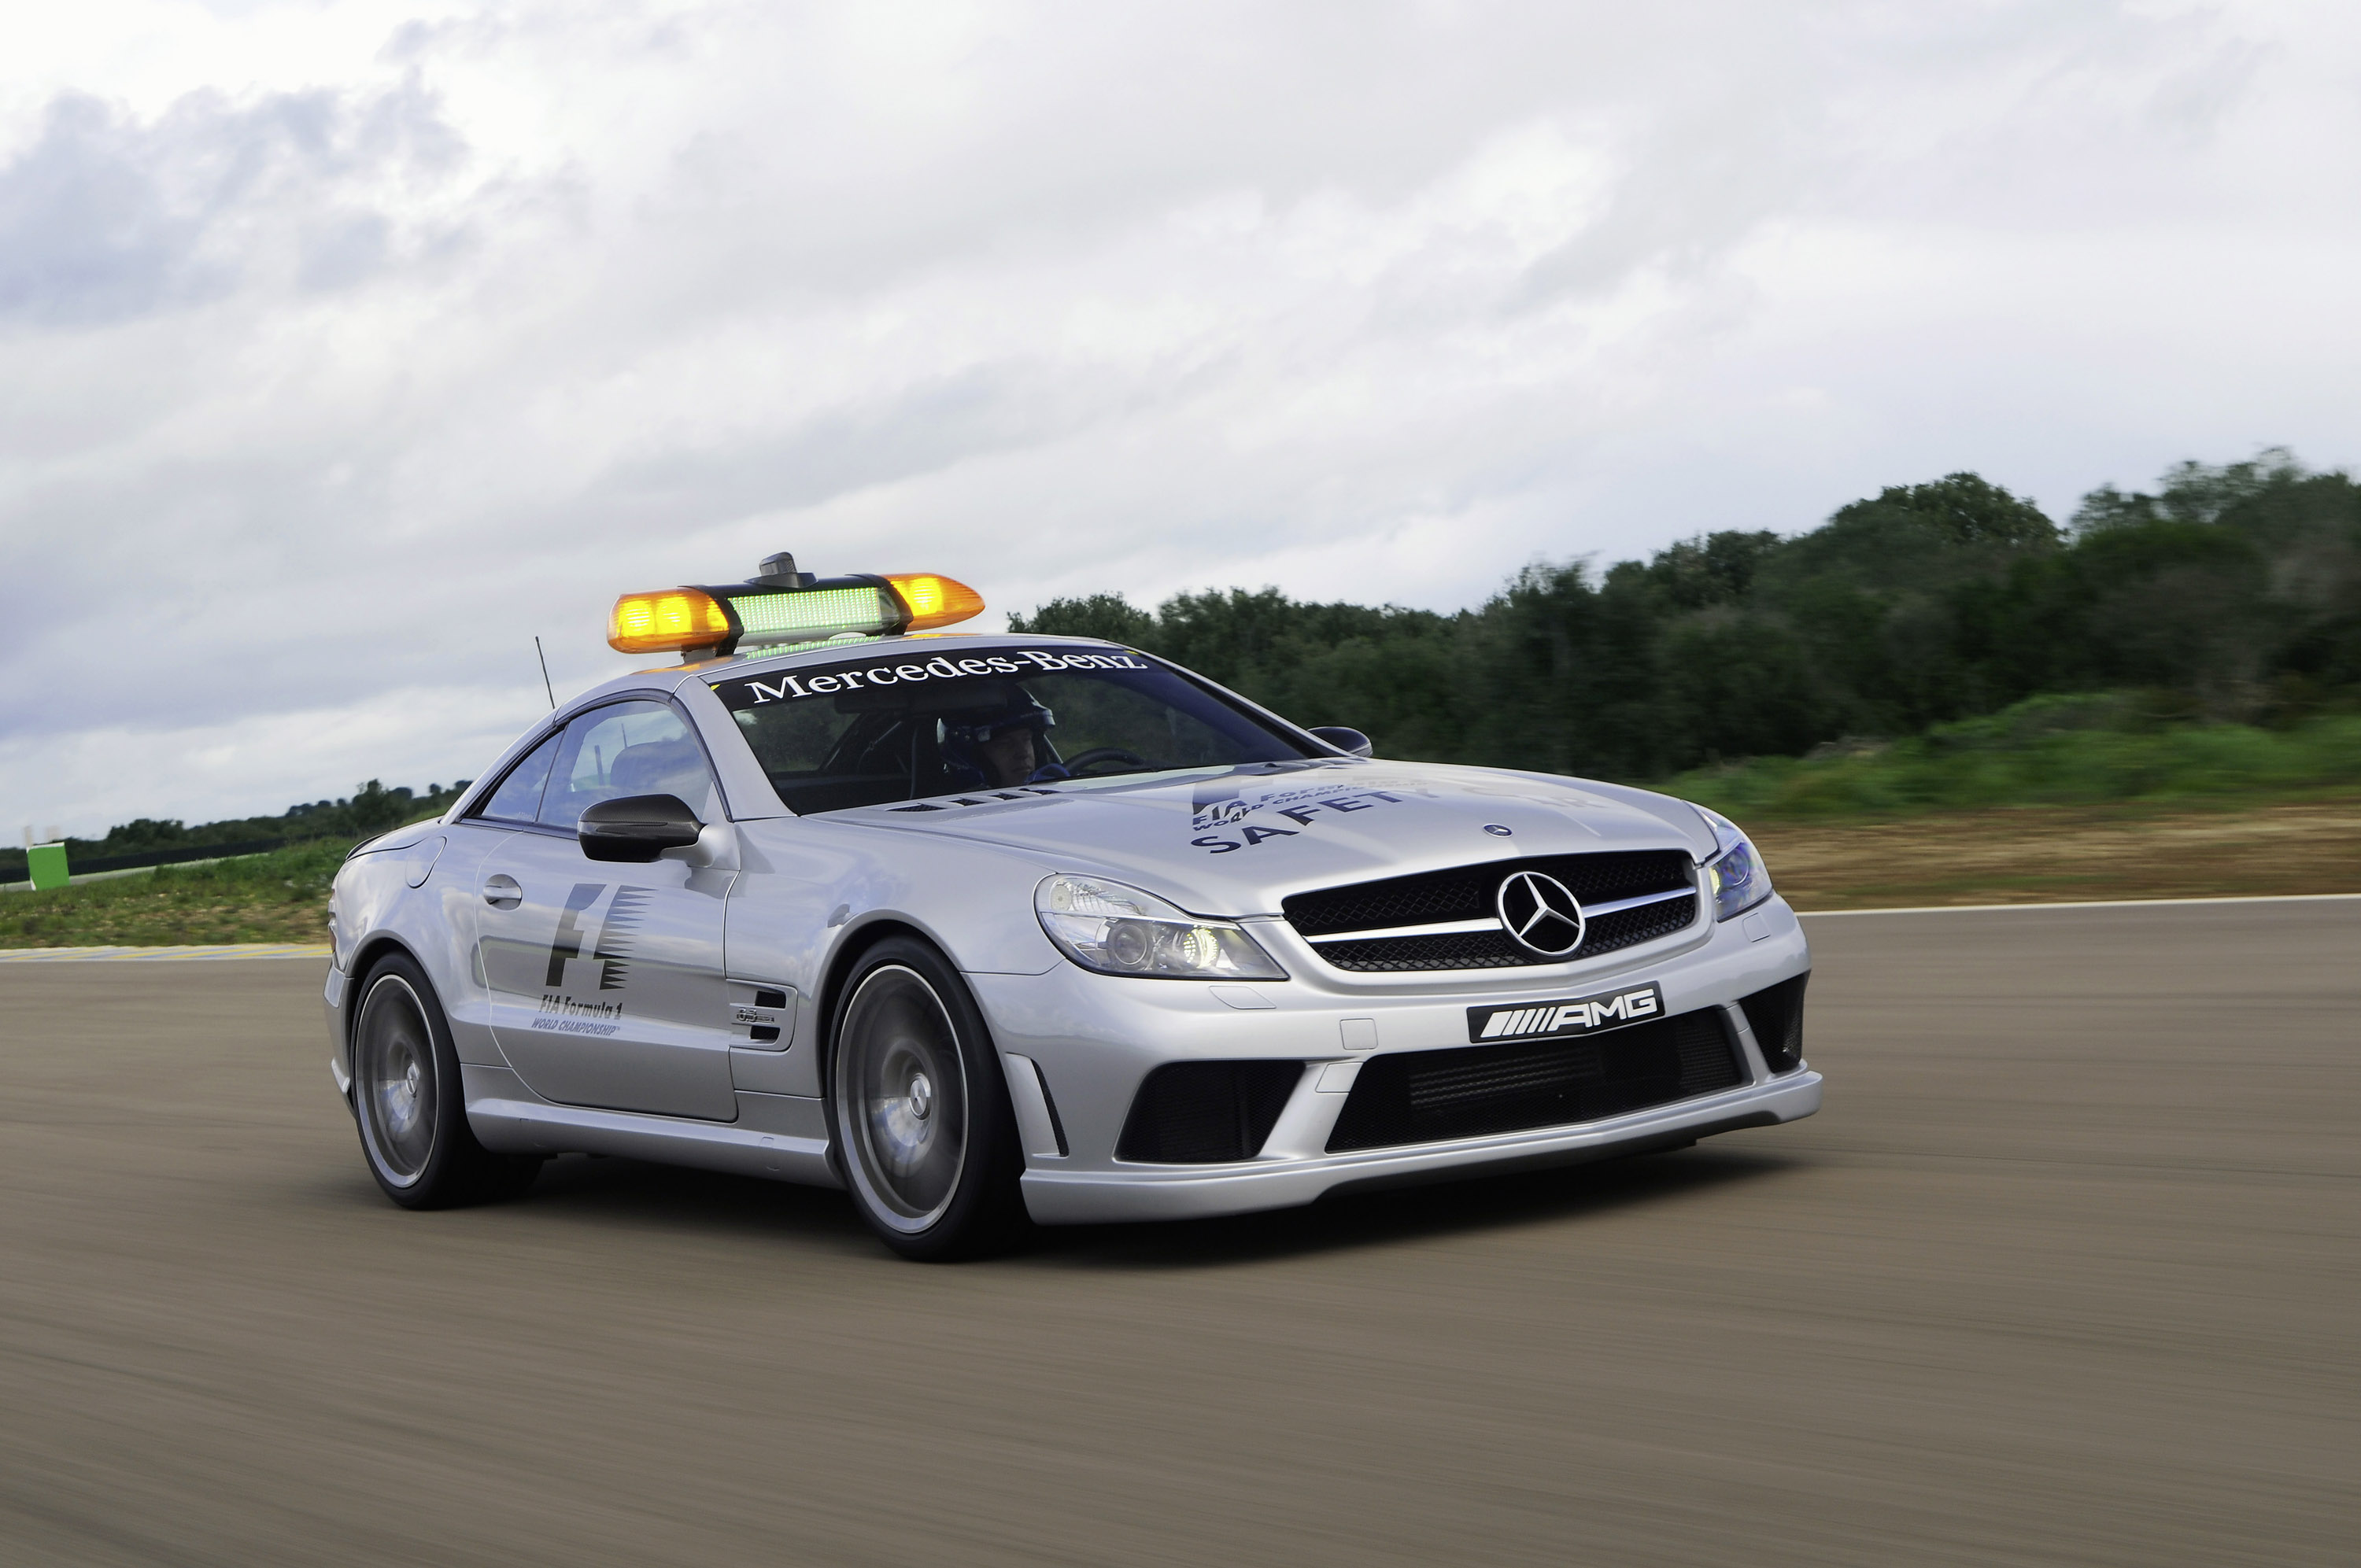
344, 347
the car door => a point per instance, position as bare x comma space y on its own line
606, 980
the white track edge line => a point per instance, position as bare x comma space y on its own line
2089, 904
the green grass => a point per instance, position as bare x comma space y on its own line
2078, 750
278, 897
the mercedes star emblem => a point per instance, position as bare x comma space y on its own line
1540, 913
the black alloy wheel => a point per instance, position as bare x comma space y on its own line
406, 1097
918, 1110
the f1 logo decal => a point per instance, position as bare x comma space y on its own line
616, 935
567, 943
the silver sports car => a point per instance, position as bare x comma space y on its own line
988, 927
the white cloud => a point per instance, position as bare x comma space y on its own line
345, 346
444, 734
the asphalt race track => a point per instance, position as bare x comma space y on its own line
2066, 1272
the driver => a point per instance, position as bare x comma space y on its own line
1002, 746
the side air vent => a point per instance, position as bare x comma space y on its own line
1775, 1014
1204, 1112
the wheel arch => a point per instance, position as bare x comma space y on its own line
371, 952
855, 944
848, 952
985, 1207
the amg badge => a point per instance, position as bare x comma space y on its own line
1583, 1016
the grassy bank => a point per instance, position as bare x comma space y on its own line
2050, 751
278, 897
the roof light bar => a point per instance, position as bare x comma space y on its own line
782, 607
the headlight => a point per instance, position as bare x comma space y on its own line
1740, 880
1114, 929
1739, 883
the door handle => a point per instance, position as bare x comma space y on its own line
503, 891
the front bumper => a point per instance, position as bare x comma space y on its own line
340, 1066
1168, 1193
1091, 1040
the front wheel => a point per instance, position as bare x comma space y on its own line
406, 1096
920, 1110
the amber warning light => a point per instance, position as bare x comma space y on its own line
782, 606
935, 601
669, 619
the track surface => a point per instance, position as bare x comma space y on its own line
2065, 1273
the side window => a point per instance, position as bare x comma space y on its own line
627, 748
518, 797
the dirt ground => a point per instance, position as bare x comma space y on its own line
2045, 854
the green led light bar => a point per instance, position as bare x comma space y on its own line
814, 614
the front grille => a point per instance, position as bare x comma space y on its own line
1775, 1014
1423, 1097
1460, 950
1204, 1113
1467, 892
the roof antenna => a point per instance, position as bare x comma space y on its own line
544, 673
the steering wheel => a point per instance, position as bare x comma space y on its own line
1108, 754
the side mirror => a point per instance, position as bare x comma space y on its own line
1351, 741
637, 827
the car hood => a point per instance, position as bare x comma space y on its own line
1238, 842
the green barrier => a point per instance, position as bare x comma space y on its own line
46, 864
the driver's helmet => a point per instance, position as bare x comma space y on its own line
962, 736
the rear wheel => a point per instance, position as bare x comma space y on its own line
406, 1096
920, 1110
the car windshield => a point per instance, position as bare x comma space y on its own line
908, 723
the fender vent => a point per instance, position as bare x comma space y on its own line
1204, 1112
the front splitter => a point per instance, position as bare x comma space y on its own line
1168, 1193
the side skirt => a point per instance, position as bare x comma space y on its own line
777, 1137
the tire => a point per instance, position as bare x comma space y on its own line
406, 1097
918, 1110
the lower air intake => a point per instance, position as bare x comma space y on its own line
1204, 1112
1424, 1097
1775, 1014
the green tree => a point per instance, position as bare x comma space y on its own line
2237, 589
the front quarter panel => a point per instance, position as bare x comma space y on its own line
811, 889
376, 910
